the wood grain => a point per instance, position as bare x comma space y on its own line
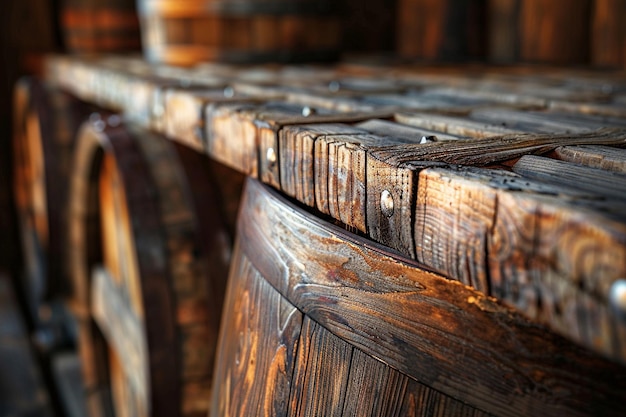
493, 359
257, 348
604, 157
321, 373
607, 184
297, 157
497, 149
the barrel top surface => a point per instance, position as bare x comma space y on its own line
510, 180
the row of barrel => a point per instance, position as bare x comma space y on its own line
442, 241
503, 31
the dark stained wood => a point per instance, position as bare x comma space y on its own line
328, 376
374, 388
611, 159
493, 358
321, 373
424, 402
258, 343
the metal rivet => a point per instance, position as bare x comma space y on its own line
307, 111
270, 156
428, 139
229, 92
386, 203
334, 86
94, 117
114, 120
99, 125
617, 297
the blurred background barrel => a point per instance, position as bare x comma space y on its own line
91, 26
149, 303
441, 30
555, 31
609, 33
46, 123
187, 31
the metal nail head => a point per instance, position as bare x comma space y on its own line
386, 203
617, 297
270, 156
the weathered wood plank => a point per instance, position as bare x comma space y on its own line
183, 112
421, 401
257, 348
538, 122
321, 373
406, 133
604, 157
297, 157
496, 149
373, 388
608, 184
462, 343
453, 218
557, 263
124, 333
453, 125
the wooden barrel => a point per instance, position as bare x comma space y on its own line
318, 322
90, 26
555, 32
189, 31
608, 34
149, 291
46, 123
539, 31
441, 30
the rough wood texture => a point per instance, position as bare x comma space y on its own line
365, 170
611, 159
607, 184
304, 369
445, 335
257, 348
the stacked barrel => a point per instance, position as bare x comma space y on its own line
457, 232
